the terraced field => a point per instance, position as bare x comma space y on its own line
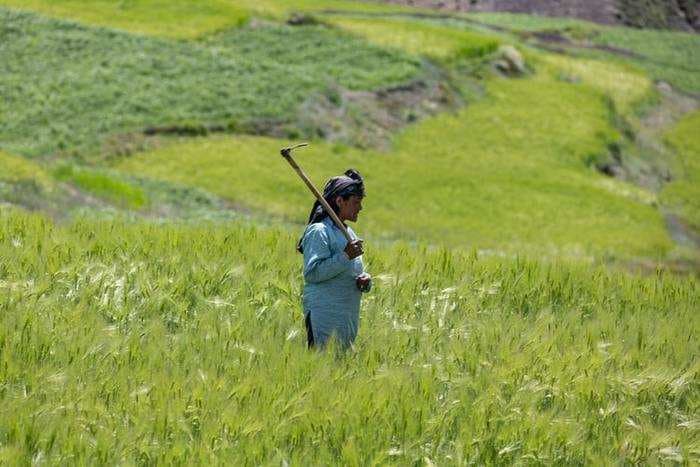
532, 232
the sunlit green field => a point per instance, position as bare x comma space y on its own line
455, 179
81, 90
138, 343
527, 308
184, 18
498, 175
15, 169
665, 55
420, 38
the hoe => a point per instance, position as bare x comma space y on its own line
287, 154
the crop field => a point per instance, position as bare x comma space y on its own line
669, 56
184, 18
152, 343
17, 169
419, 38
432, 173
76, 95
533, 233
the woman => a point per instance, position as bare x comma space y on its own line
334, 276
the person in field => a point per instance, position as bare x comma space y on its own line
334, 275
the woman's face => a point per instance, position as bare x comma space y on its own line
349, 208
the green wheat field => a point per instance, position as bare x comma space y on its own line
533, 236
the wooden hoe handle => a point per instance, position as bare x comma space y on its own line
287, 154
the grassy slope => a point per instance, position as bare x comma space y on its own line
668, 56
123, 343
70, 86
103, 186
26, 183
175, 18
455, 179
420, 38
683, 194
531, 23
626, 85
510, 214
181, 18
29, 184
132, 343
18, 169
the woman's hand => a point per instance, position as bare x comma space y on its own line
364, 282
354, 249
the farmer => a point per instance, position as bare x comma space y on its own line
334, 276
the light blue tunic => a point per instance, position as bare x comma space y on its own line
331, 295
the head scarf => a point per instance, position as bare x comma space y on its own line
351, 183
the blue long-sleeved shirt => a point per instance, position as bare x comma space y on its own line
331, 295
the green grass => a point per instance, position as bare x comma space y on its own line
530, 154
626, 85
668, 56
180, 18
70, 87
103, 185
508, 173
521, 22
144, 343
28, 184
168, 18
665, 55
420, 38
665, 58
18, 169
683, 194
487, 339
25, 183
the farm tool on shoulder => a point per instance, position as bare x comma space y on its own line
287, 154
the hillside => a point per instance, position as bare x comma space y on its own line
660, 14
147, 149
531, 223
